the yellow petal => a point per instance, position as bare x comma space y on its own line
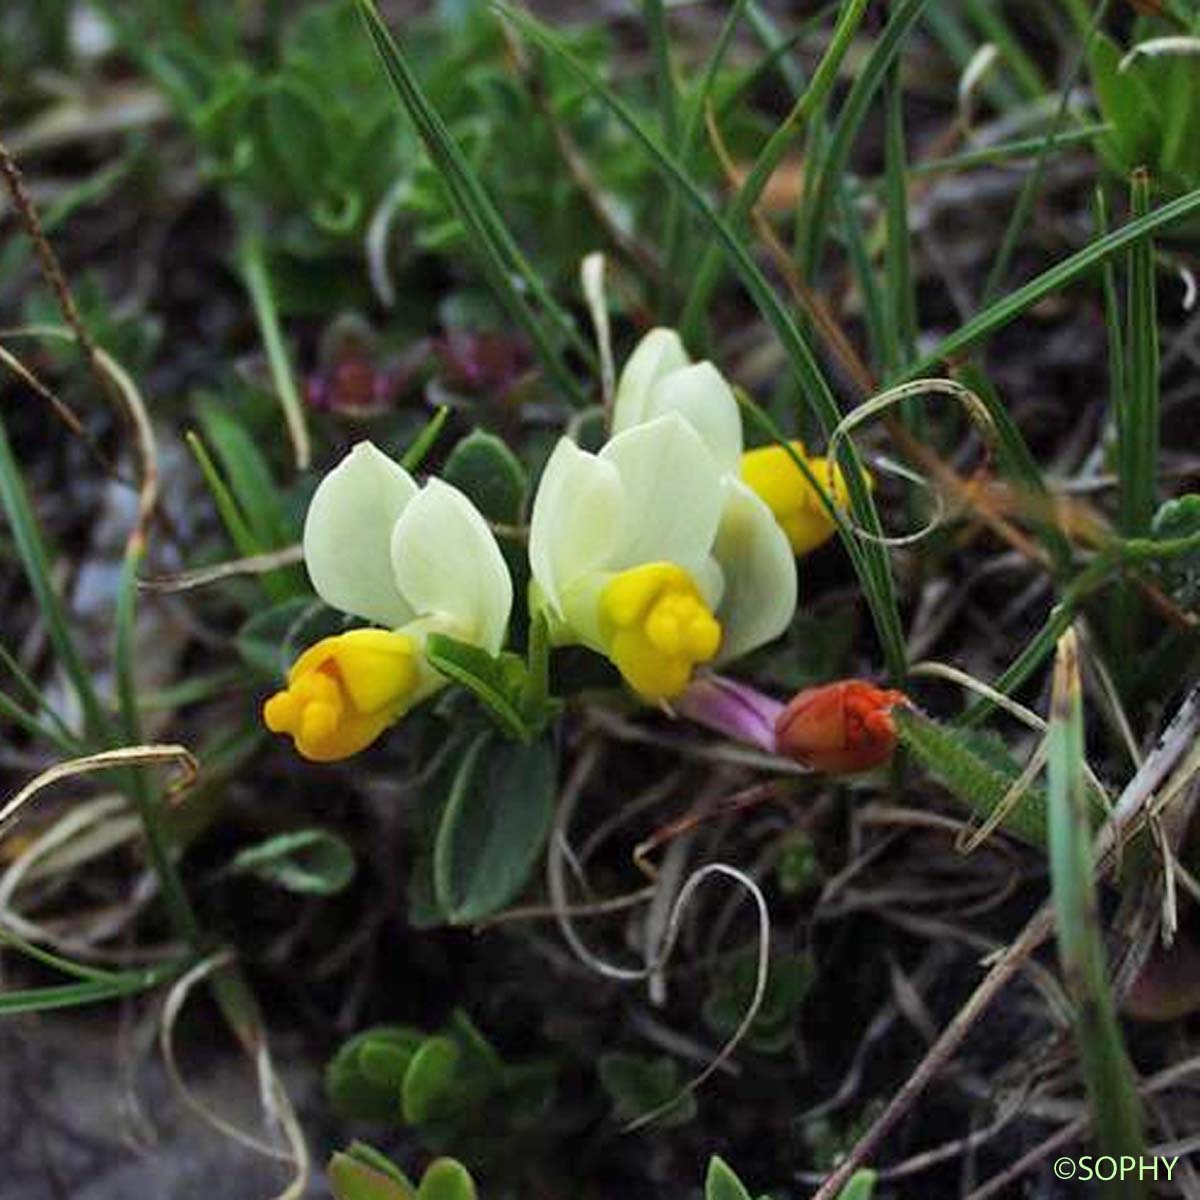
343, 692
656, 628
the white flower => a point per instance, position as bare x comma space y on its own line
413, 560
653, 552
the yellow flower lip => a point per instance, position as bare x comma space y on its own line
343, 692
772, 474
657, 628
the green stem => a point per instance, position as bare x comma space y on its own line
170, 883
253, 264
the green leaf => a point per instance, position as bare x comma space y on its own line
433, 1089
494, 825
788, 982
248, 475
350, 1179
721, 1183
1123, 102
860, 1187
1176, 526
1115, 1105
639, 1085
312, 862
446, 1179
1138, 427
489, 474
498, 682
296, 134
951, 756
365, 1078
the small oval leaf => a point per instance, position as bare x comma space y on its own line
488, 472
350, 1179
493, 826
312, 862
446, 1179
431, 1090
721, 1183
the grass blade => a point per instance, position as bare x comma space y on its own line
948, 29
1042, 644
1017, 462
28, 538
901, 311
70, 995
817, 214
654, 14
1116, 1109
253, 264
174, 894
499, 254
691, 124
987, 156
864, 271
1081, 263
871, 562
1024, 205
780, 141
1138, 436
990, 21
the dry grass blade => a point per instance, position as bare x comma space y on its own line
760, 980
976, 410
1074, 1130
105, 760
276, 1104
659, 956
48, 261
591, 278
254, 564
62, 410
124, 391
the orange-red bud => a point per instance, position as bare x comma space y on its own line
839, 728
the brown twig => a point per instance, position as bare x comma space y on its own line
51, 269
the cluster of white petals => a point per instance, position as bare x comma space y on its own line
653, 552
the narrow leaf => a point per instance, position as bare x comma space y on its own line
312, 862
1116, 1109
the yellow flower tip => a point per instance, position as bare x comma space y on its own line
657, 628
773, 475
344, 692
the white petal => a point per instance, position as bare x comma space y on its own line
760, 573
348, 534
573, 526
672, 493
447, 563
710, 579
658, 353
701, 396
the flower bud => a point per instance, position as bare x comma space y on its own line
839, 728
